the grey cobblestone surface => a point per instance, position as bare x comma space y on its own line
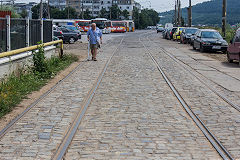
219, 116
134, 115
38, 134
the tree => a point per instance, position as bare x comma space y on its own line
104, 13
10, 8
147, 17
24, 13
87, 15
125, 14
115, 12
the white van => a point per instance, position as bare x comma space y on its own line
168, 25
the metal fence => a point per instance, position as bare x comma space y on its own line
34, 32
47, 31
20, 33
3, 35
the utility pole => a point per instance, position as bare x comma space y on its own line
48, 9
82, 10
179, 15
190, 14
175, 16
41, 10
92, 7
68, 9
224, 17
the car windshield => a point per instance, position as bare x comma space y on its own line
181, 29
209, 34
71, 28
191, 31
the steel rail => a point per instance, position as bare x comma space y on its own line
235, 106
211, 138
12, 122
73, 129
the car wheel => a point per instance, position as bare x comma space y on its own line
194, 48
71, 40
228, 58
201, 49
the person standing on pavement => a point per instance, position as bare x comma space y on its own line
94, 36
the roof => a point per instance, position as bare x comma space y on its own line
208, 30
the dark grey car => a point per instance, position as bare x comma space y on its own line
211, 40
68, 35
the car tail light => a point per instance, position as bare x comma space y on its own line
61, 32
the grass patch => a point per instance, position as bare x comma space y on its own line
16, 87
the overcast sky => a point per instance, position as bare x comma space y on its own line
166, 5
158, 5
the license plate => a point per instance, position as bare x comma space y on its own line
216, 47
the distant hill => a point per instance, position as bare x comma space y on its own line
208, 13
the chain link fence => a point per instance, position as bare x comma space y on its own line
18, 33
3, 35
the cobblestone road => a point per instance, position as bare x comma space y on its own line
133, 115
38, 134
219, 116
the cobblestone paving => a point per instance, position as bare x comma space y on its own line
134, 115
41, 130
219, 117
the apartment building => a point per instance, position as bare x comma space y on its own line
94, 6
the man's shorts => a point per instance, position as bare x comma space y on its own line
94, 46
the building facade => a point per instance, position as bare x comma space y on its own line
94, 6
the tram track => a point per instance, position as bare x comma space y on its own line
223, 97
222, 151
59, 154
15, 120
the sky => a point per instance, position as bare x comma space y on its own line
158, 5
165, 5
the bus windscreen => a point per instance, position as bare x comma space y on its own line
83, 23
118, 24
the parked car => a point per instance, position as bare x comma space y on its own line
177, 33
164, 33
74, 29
69, 35
186, 34
233, 51
170, 33
209, 39
160, 29
192, 39
57, 32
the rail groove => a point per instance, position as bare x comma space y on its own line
235, 106
11, 123
211, 138
59, 154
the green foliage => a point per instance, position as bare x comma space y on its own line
208, 13
24, 13
55, 13
115, 12
104, 13
10, 8
125, 14
87, 15
147, 17
15, 88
